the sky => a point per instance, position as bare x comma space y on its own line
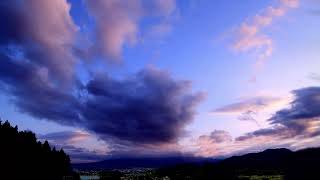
136, 78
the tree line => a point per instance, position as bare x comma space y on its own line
22, 156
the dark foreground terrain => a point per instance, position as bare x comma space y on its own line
269, 164
22, 157
275, 164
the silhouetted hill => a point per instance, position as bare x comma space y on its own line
269, 164
274, 158
23, 157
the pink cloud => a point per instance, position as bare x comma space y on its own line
51, 21
47, 34
250, 37
117, 22
212, 144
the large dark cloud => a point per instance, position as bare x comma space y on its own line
148, 107
300, 119
305, 106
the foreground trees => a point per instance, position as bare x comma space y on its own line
23, 157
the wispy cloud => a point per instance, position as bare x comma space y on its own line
314, 76
248, 109
250, 36
69, 137
258, 103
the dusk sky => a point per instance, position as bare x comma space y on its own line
208, 78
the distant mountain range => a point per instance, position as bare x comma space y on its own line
270, 158
270, 164
142, 162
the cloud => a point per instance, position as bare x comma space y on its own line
117, 22
43, 32
249, 109
273, 132
33, 93
83, 155
301, 119
68, 137
162, 7
305, 106
150, 107
84, 147
314, 76
249, 116
250, 37
216, 137
290, 3
69, 141
38, 73
241, 144
258, 103
78, 144
297, 126
211, 145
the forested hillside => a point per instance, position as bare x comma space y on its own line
22, 156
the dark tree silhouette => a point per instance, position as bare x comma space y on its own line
23, 157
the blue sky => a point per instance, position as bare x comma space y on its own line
211, 69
